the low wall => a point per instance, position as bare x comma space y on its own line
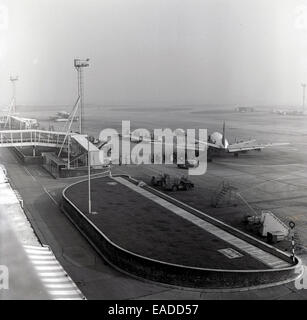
70, 173
26, 159
173, 274
66, 173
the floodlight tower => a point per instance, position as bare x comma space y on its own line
13, 80
79, 65
304, 89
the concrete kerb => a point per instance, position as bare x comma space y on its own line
120, 257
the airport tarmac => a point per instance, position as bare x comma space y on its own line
280, 188
274, 179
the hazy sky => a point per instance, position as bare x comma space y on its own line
155, 51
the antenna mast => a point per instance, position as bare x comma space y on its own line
304, 89
13, 80
79, 65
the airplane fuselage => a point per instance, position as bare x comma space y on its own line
217, 139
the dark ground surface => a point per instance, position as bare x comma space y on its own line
143, 227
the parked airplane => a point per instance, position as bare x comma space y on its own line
217, 142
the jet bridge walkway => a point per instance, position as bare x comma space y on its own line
31, 137
34, 137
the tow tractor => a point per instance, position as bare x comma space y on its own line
168, 183
192, 163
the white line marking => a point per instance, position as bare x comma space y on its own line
44, 258
36, 252
29, 173
45, 263
68, 299
64, 293
46, 268
60, 286
36, 248
52, 274
56, 280
50, 196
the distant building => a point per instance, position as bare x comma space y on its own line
245, 109
288, 112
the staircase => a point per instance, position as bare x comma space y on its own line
271, 223
79, 160
224, 192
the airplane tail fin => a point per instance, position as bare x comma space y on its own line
224, 133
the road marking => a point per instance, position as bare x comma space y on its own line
230, 253
37, 257
66, 299
29, 173
60, 286
64, 292
50, 196
52, 274
46, 191
257, 253
48, 268
54, 278
44, 262
35, 248
35, 252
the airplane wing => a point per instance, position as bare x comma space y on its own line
252, 145
208, 144
200, 147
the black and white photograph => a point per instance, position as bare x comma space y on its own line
154, 151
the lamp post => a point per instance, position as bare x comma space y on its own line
89, 176
292, 225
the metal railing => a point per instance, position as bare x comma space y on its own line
31, 137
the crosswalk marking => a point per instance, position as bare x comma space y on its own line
48, 268
63, 292
52, 274
57, 282
37, 257
59, 286
44, 262
28, 247
33, 252
259, 254
66, 298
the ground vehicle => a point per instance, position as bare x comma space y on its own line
193, 163
166, 182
